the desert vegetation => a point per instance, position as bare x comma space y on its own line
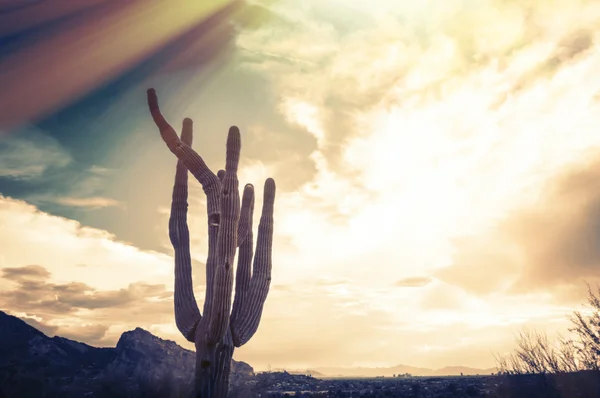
536, 354
223, 325
569, 366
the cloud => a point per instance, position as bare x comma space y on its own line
435, 131
58, 244
91, 334
484, 264
417, 138
28, 272
35, 294
28, 153
88, 303
414, 155
559, 237
69, 309
88, 203
547, 246
83, 192
415, 281
415, 146
66, 277
42, 327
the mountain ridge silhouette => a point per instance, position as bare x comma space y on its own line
34, 364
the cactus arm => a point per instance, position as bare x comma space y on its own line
245, 224
190, 158
245, 253
187, 314
218, 319
210, 184
246, 322
211, 260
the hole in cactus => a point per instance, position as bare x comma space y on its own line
205, 364
213, 220
226, 265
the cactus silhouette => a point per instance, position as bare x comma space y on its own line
223, 326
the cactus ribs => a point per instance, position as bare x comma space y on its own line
223, 326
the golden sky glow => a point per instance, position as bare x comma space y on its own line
442, 195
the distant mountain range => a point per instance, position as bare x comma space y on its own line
35, 365
394, 370
141, 365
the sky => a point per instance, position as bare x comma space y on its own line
436, 168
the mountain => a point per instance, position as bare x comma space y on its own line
466, 371
371, 372
35, 365
308, 372
399, 370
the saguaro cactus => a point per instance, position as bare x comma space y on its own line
222, 327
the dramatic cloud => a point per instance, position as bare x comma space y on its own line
48, 330
435, 167
28, 272
560, 236
549, 246
32, 293
77, 281
31, 159
436, 130
91, 334
28, 154
37, 293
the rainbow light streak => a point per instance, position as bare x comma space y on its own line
94, 45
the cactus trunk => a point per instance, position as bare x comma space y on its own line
205, 354
224, 325
222, 370
213, 366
